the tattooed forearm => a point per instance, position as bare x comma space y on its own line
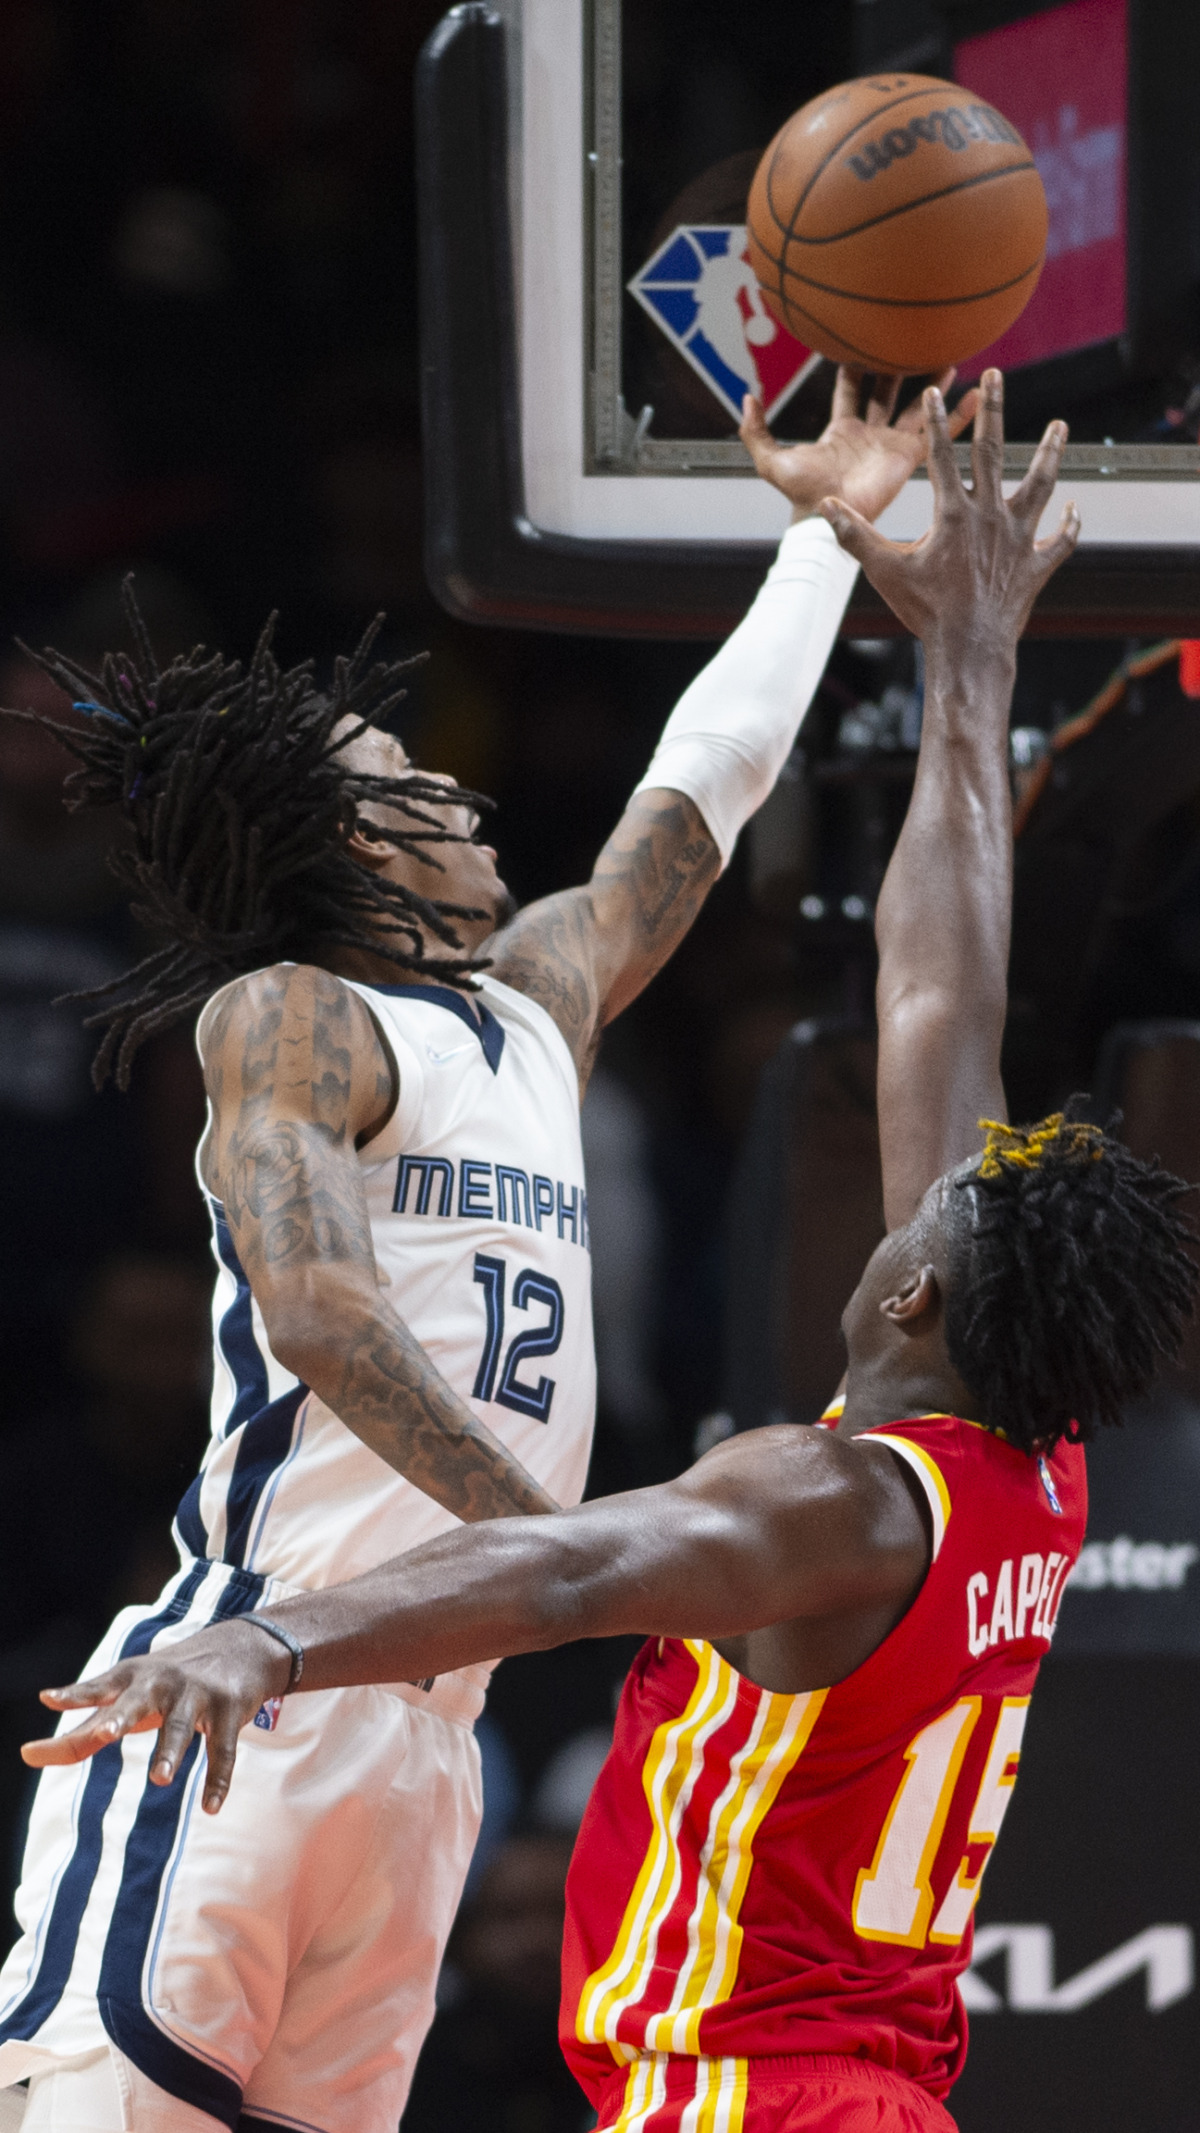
586, 954
350, 1346
662, 861
391, 1395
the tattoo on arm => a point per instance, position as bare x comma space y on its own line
584, 955
547, 954
293, 1195
393, 1397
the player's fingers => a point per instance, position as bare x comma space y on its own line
83, 1695
987, 447
948, 494
913, 418
754, 433
222, 1748
855, 534
99, 1690
847, 392
1052, 553
60, 1748
1031, 499
175, 1736
961, 417
99, 1730
138, 1709
885, 391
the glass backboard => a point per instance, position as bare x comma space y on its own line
590, 321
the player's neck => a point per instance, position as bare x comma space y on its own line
369, 967
880, 1392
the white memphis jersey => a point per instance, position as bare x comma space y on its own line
478, 1215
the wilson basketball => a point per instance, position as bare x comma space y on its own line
897, 223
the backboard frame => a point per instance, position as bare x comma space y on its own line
528, 522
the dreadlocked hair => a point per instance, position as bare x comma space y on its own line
1071, 1279
241, 803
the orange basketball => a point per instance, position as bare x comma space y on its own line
897, 224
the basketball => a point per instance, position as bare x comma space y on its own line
897, 224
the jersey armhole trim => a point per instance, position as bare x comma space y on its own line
389, 1053
929, 1475
399, 1124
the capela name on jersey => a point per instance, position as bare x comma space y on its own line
1023, 1602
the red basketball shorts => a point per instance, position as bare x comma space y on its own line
807, 2093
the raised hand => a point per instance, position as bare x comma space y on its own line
212, 1683
864, 460
975, 575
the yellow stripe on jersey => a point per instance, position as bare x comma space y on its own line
719, 2102
672, 1766
645, 2091
928, 1474
777, 1737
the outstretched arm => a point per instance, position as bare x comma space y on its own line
586, 953
298, 1081
945, 908
782, 1524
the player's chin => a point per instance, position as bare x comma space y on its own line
492, 898
505, 906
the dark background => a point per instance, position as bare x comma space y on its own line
208, 372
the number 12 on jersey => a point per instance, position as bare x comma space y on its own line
893, 1899
529, 1290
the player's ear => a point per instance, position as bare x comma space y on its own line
914, 1306
369, 851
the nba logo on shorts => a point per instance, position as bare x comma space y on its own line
700, 289
267, 1715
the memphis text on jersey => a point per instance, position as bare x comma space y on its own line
442, 1185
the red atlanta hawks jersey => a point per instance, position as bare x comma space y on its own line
759, 1874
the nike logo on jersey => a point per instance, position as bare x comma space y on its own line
455, 1052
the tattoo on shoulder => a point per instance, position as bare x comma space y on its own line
289, 1193
545, 955
585, 954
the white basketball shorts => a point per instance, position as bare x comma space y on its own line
272, 1965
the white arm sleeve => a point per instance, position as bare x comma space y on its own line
731, 732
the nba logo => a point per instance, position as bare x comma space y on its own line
700, 289
267, 1715
1048, 1485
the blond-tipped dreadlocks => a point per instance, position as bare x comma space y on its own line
1072, 1278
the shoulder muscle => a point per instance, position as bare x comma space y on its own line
835, 1517
293, 1041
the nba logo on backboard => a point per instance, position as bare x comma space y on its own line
700, 289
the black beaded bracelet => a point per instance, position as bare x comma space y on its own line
290, 1643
